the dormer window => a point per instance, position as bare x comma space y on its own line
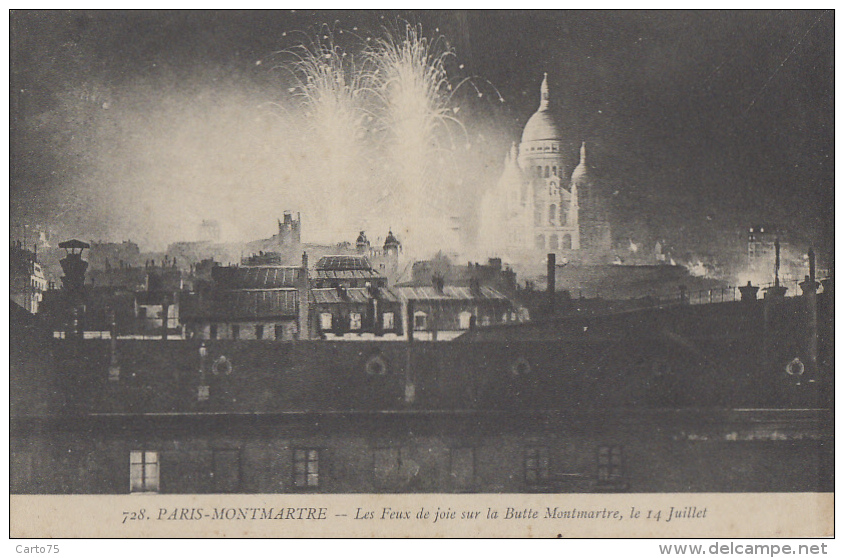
420, 321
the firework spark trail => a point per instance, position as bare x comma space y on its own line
332, 91
384, 133
417, 121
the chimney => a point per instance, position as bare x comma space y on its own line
439, 283
748, 292
811, 265
552, 279
304, 299
475, 287
410, 321
810, 295
341, 292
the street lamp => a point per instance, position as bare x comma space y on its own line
204, 390
114, 366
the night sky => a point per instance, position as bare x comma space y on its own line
699, 123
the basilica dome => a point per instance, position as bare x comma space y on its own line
541, 126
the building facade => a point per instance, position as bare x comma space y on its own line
711, 401
538, 205
27, 281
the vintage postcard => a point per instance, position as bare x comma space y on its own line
364, 273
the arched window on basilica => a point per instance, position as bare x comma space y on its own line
553, 243
547, 172
552, 214
563, 218
537, 214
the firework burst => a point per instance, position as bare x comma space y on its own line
331, 90
417, 124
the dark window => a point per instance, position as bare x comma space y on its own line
279, 332
420, 321
306, 468
547, 172
212, 331
386, 465
610, 464
226, 470
259, 331
462, 467
536, 465
235, 331
552, 214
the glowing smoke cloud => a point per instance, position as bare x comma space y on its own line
331, 90
382, 138
417, 123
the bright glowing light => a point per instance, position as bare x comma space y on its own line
418, 125
331, 88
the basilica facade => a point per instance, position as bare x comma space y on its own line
538, 206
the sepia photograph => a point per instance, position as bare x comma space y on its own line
386, 272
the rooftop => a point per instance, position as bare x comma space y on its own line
338, 263
449, 292
356, 295
256, 277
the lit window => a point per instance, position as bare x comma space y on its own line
354, 321
325, 321
465, 319
536, 465
143, 471
306, 468
610, 464
388, 320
